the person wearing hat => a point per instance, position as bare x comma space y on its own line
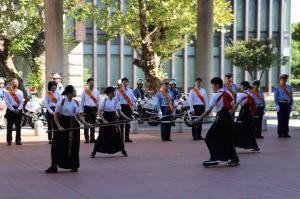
110, 139
118, 84
2, 85
259, 99
198, 102
230, 86
89, 106
57, 78
66, 141
173, 89
244, 128
13, 98
126, 98
51, 98
219, 138
284, 101
165, 108
139, 92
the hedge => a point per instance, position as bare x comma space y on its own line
271, 105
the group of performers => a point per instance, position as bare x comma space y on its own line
64, 114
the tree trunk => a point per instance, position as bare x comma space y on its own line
8, 70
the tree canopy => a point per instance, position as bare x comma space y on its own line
296, 50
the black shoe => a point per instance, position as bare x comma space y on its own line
92, 141
287, 136
255, 149
92, 155
86, 142
196, 139
128, 140
201, 138
9, 143
51, 169
260, 137
209, 163
19, 143
280, 136
234, 163
124, 153
50, 141
74, 170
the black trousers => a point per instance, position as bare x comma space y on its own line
13, 119
258, 121
128, 112
90, 117
165, 128
51, 123
283, 117
197, 128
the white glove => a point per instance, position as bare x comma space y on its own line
292, 108
277, 108
160, 115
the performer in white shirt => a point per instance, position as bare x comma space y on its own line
14, 100
59, 87
198, 102
89, 106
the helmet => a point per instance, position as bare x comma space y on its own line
173, 82
2, 80
140, 81
56, 76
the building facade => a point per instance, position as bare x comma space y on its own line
109, 61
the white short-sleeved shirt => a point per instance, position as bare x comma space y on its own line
69, 108
10, 102
195, 100
218, 105
242, 99
49, 103
87, 100
110, 105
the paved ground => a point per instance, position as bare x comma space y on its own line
153, 170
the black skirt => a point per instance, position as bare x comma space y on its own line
110, 139
219, 138
65, 144
244, 129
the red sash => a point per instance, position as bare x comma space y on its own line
227, 99
14, 95
196, 90
287, 92
168, 99
125, 97
52, 97
228, 86
90, 94
251, 103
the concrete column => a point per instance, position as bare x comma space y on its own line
234, 33
222, 58
173, 66
246, 31
54, 37
134, 69
281, 27
185, 68
204, 43
269, 76
95, 51
121, 48
108, 68
258, 15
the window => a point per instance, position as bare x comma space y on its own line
264, 16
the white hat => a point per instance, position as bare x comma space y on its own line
119, 81
140, 81
56, 76
173, 82
2, 80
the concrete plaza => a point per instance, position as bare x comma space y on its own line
153, 170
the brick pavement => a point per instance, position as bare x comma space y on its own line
153, 170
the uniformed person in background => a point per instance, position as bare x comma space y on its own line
230, 86
173, 89
165, 106
2, 89
89, 107
284, 101
139, 92
198, 102
51, 98
259, 98
126, 98
14, 101
59, 87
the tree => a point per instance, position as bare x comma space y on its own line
253, 56
155, 29
296, 50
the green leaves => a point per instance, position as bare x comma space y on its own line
296, 50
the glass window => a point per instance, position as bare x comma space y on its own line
216, 67
275, 15
217, 39
287, 15
167, 69
128, 67
114, 69
139, 73
252, 16
88, 62
239, 76
227, 66
178, 71
264, 15
101, 71
191, 71
240, 15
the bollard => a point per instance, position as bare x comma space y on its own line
264, 124
38, 128
179, 126
134, 127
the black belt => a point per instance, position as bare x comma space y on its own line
284, 101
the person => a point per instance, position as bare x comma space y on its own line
259, 99
173, 89
66, 141
139, 92
89, 106
119, 84
51, 98
110, 139
230, 86
284, 101
165, 108
244, 129
2, 85
126, 98
14, 101
219, 138
198, 102
59, 87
